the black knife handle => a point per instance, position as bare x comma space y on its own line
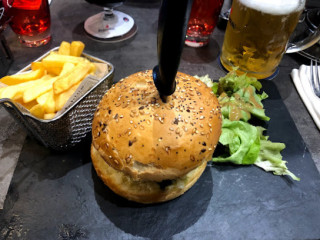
172, 28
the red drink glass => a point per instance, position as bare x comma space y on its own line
31, 21
203, 19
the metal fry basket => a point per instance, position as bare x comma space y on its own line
71, 126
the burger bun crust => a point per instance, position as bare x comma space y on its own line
143, 139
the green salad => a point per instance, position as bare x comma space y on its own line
242, 142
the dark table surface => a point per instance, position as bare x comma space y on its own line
228, 202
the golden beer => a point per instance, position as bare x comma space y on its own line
257, 34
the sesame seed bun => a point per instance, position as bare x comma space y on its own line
137, 137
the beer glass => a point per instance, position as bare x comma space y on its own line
257, 35
203, 19
31, 21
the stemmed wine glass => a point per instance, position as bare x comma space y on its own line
110, 25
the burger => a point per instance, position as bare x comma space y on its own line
150, 151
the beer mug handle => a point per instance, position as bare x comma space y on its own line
305, 43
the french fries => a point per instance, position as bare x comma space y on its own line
76, 48
61, 99
64, 48
21, 78
51, 82
37, 111
33, 92
68, 80
56, 60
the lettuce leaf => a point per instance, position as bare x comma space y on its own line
246, 144
232, 82
242, 141
238, 97
270, 159
242, 104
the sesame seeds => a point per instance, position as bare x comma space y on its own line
128, 158
161, 120
194, 131
185, 128
167, 148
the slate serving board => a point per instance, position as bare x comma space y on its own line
59, 196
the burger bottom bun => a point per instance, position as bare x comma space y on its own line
143, 191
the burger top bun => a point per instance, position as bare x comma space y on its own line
138, 134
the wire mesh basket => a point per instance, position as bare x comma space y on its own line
73, 124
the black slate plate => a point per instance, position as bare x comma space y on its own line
59, 196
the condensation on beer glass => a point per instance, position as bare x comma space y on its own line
257, 34
31, 21
203, 19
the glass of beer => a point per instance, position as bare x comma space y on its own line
31, 21
203, 19
257, 35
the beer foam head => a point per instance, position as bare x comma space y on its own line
275, 7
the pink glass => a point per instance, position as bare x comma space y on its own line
203, 19
31, 21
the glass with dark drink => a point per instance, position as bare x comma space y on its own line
109, 24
